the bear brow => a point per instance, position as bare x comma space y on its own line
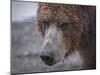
67, 22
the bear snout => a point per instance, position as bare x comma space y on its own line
47, 58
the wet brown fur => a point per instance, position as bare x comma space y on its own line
82, 29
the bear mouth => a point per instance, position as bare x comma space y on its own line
50, 63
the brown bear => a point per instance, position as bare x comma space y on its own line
67, 30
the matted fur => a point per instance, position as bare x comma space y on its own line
81, 32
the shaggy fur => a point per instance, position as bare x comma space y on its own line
80, 28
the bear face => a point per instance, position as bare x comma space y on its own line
63, 28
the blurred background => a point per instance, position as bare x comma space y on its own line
26, 41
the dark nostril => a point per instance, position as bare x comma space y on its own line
49, 60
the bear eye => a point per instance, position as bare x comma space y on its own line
45, 25
63, 26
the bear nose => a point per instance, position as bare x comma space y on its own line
48, 59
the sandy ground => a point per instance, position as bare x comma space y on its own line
26, 45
